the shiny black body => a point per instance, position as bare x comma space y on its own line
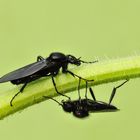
43, 67
49, 66
82, 107
87, 104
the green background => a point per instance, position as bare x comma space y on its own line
93, 28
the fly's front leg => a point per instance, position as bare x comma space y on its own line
39, 58
65, 70
75, 75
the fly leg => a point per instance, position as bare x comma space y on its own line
92, 94
75, 75
79, 89
39, 58
53, 100
20, 91
80, 78
86, 90
57, 90
114, 91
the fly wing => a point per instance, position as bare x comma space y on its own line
24, 71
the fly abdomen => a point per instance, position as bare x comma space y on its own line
25, 79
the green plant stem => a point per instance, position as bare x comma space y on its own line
102, 72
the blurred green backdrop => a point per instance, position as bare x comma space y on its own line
91, 28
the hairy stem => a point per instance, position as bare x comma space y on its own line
102, 72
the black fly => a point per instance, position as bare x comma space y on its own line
49, 66
82, 107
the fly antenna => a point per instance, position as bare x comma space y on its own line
88, 62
